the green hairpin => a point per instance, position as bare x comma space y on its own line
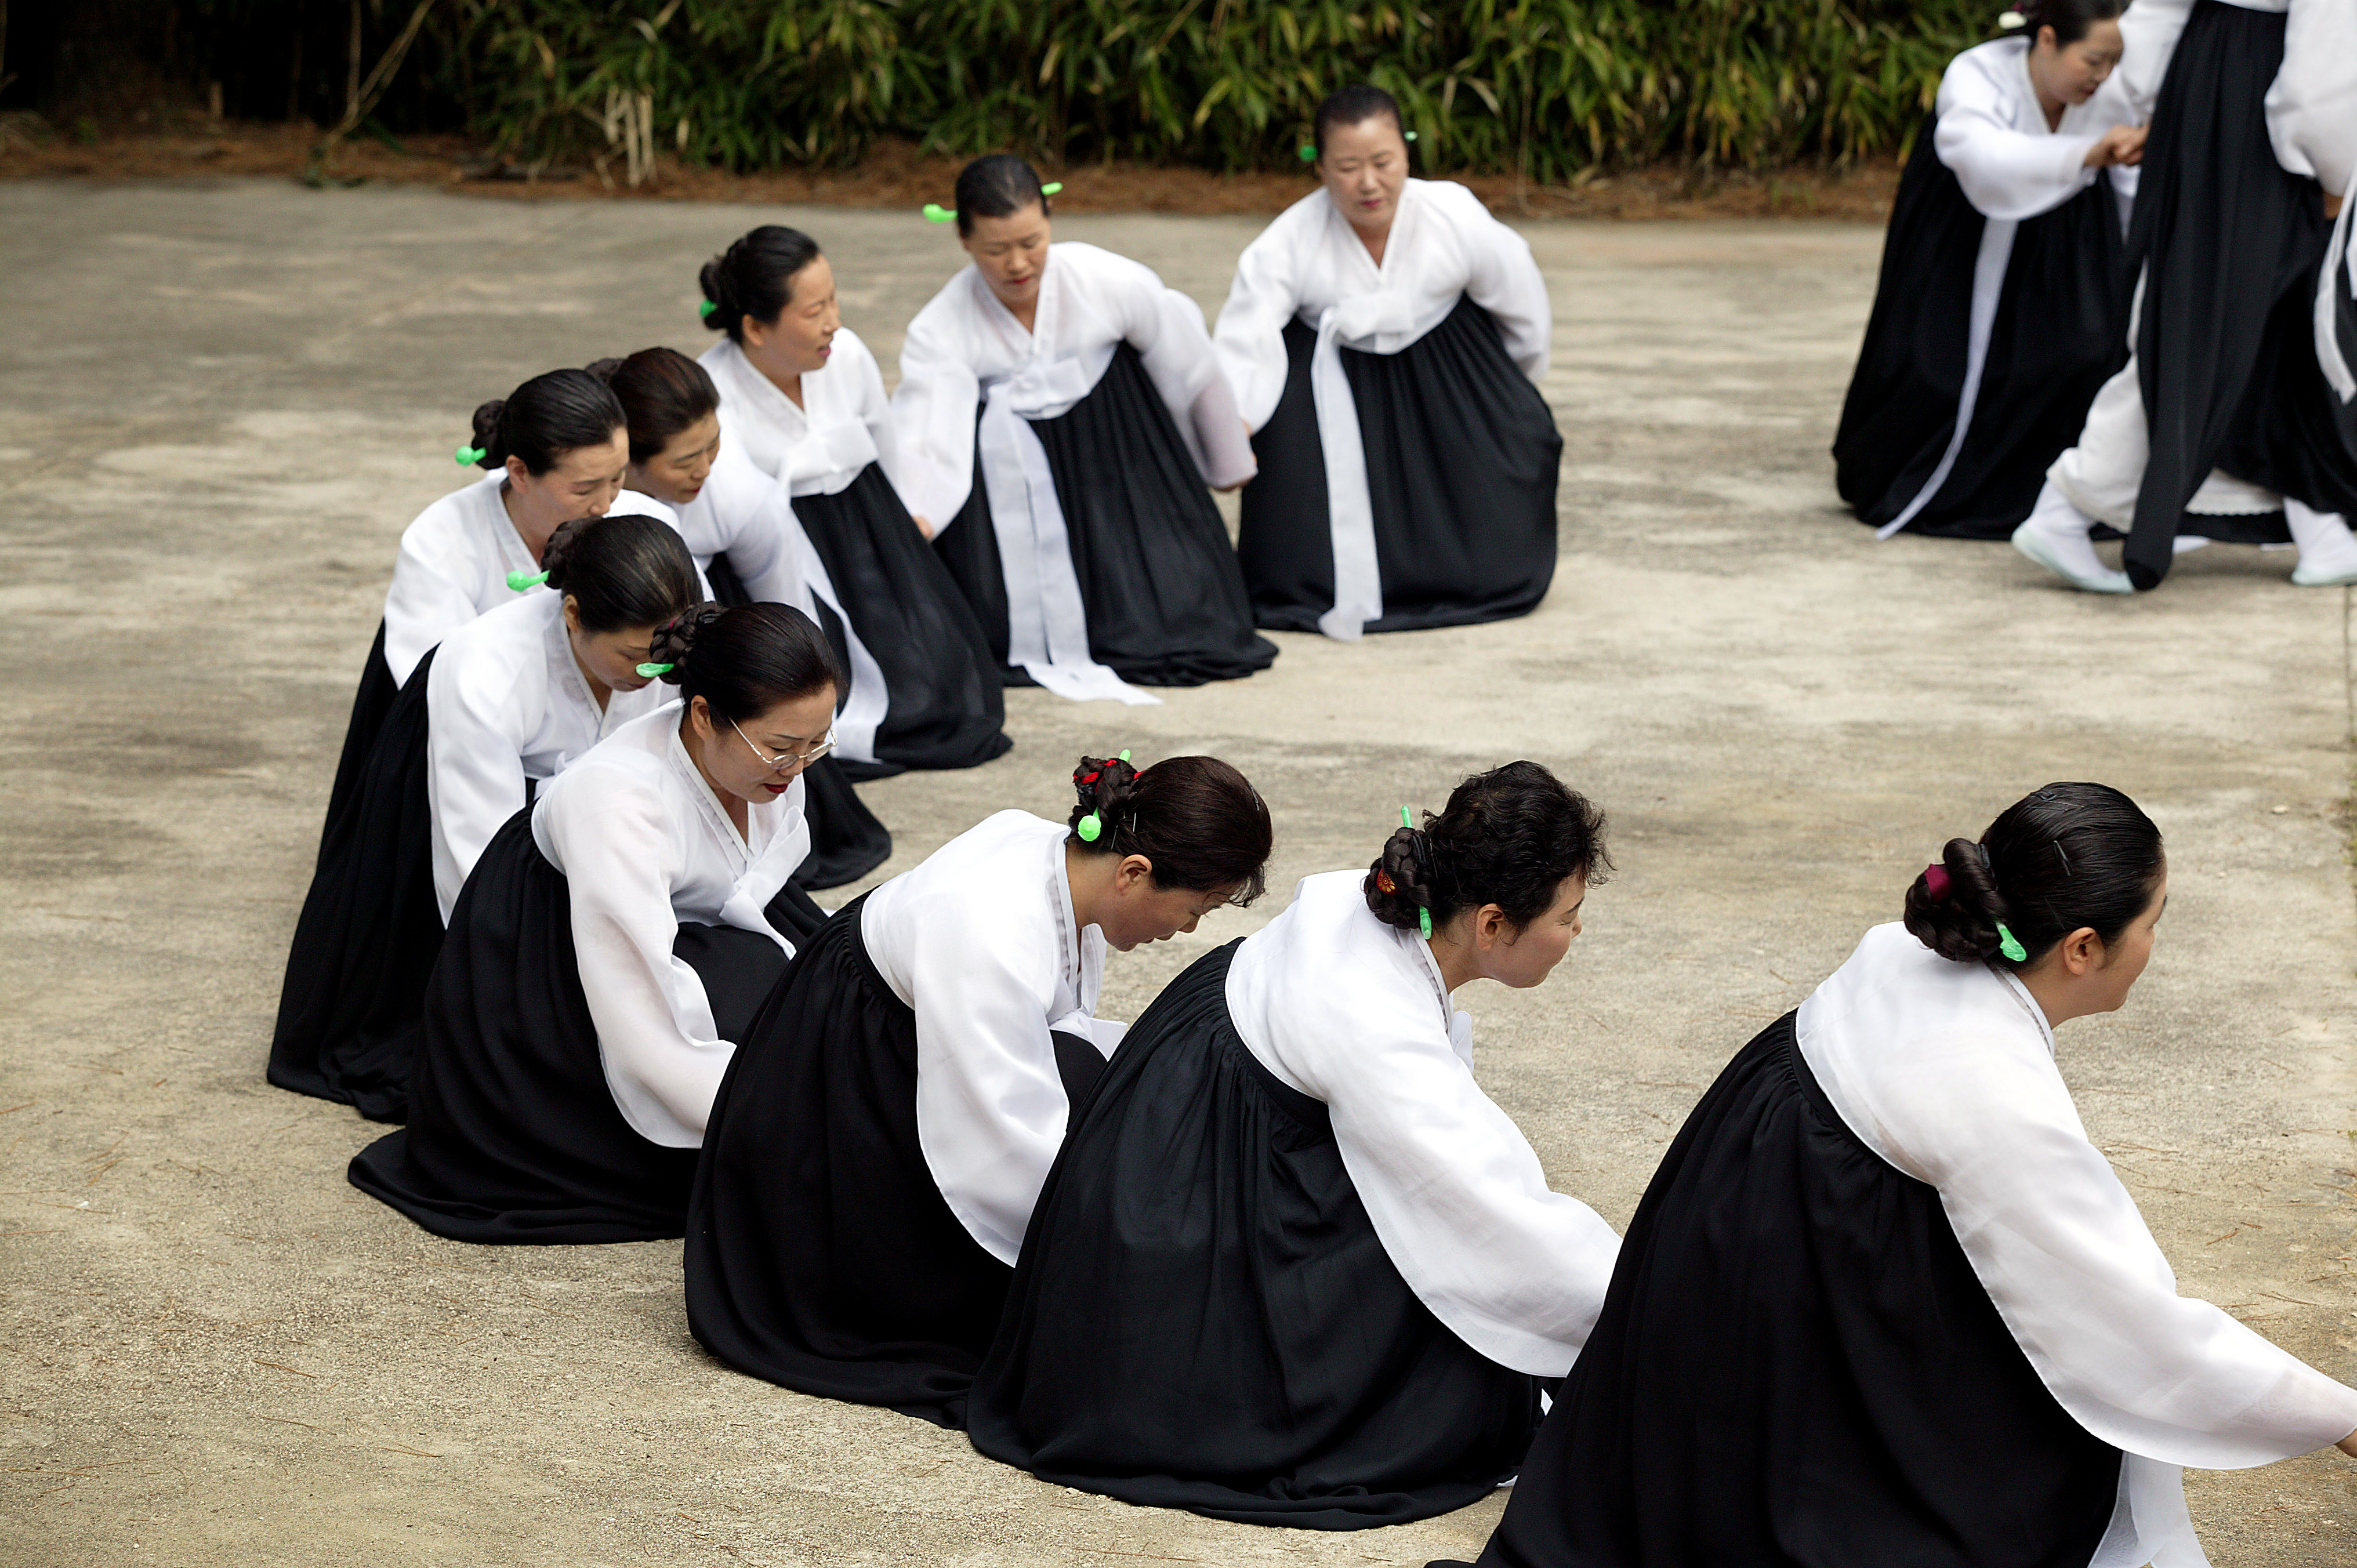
649, 671
1411, 136
467, 456
2009, 944
518, 581
706, 308
936, 213
1052, 187
1091, 827
1423, 915
1309, 155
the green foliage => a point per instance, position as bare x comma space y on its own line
1548, 88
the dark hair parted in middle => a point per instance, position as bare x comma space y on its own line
620, 571
1199, 820
1359, 101
755, 277
998, 185
745, 660
543, 419
662, 393
2060, 858
1512, 837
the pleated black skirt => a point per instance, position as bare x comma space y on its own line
1204, 1318
1165, 600
1463, 455
821, 1255
513, 1135
847, 842
2224, 235
947, 709
1796, 1368
348, 1009
371, 702
2059, 332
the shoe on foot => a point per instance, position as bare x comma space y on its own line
2056, 537
2327, 551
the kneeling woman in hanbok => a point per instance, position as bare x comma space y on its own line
1073, 514
1382, 337
801, 395
611, 948
876, 1149
1293, 1267
370, 927
2004, 299
1885, 1301
741, 527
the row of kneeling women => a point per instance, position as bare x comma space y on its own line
1270, 1254
1030, 506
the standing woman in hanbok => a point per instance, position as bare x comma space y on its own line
1293, 1266
740, 524
1885, 1301
876, 1146
1383, 337
1060, 413
803, 396
2004, 299
370, 927
612, 946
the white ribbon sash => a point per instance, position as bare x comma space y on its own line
870, 699
1988, 281
2329, 357
1350, 511
1046, 624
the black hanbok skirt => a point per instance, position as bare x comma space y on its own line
1796, 1368
371, 702
2229, 243
513, 1135
1462, 459
1165, 601
348, 1009
847, 842
821, 1255
1204, 1318
2059, 332
946, 707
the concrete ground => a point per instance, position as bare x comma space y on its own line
218, 404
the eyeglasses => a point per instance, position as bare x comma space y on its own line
788, 761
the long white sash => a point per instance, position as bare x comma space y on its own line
869, 698
2328, 356
1350, 511
1988, 282
1046, 624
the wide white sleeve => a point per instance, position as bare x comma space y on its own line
934, 417
429, 599
1515, 1270
663, 1053
990, 1103
2060, 1246
2006, 173
2312, 105
2148, 33
474, 777
763, 540
1166, 328
1503, 278
1250, 337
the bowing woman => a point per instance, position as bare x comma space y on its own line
369, 926
876, 1148
1382, 337
2004, 298
1885, 1298
801, 396
611, 948
1293, 1267
1073, 513
740, 525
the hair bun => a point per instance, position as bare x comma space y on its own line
674, 640
604, 369
1399, 885
488, 439
562, 547
713, 280
1106, 786
1961, 925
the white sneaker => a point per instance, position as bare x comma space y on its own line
2056, 537
2327, 551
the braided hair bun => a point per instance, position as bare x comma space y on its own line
676, 638
1197, 821
1106, 787
2065, 858
1399, 886
1512, 837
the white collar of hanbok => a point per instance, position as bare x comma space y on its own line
1360, 272
764, 394
709, 809
1039, 339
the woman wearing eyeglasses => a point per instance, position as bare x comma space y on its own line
611, 948
876, 1148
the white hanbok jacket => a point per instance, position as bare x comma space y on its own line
1352, 1012
507, 704
980, 940
965, 347
454, 564
746, 514
645, 845
1946, 1070
1311, 263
